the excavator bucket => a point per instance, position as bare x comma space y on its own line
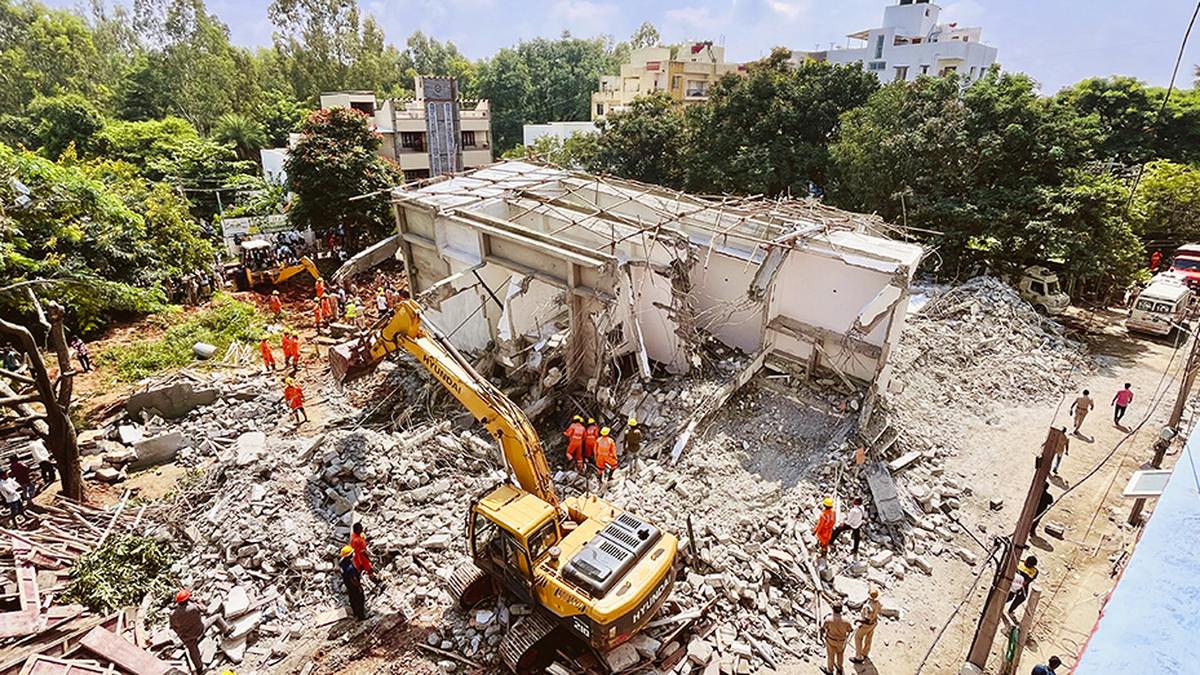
351, 359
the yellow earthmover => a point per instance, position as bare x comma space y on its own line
584, 565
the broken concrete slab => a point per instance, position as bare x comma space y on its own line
854, 590
170, 402
236, 603
621, 658
158, 450
129, 434
250, 447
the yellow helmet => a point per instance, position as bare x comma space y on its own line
828, 502
577, 418
632, 422
289, 380
274, 292
591, 420
346, 550
604, 431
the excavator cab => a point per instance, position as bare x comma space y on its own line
510, 531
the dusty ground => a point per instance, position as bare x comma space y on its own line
996, 461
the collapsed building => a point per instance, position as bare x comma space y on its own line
585, 279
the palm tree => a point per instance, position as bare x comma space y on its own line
244, 132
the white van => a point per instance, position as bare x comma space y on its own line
1160, 307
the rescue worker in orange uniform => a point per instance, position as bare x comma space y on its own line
276, 305
327, 309
589, 439
294, 395
358, 542
319, 287
574, 434
318, 313
606, 454
824, 528
264, 348
292, 355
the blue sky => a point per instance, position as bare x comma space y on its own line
1055, 41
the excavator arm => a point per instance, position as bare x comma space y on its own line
285, 273
505, 420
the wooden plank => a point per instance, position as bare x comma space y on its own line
47, 665
125, 654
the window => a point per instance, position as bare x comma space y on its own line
877, 65
1052, 288
542, 540
599, 108
486, 543
468, 139
1147, 305
949, 69
697, 88
879, 47
972, 75
364, 107
1189, 264
676, 82
901, 73
412, 140
924, 70
1037, 287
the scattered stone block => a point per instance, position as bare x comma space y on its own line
699, 651
622, 657
236, 603
881, 559
1056, 530
157, 450
170, 402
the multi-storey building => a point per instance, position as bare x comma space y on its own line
432, 134
912, 43
686, 76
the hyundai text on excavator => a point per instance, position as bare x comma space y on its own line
587, 567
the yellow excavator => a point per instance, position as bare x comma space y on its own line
584, 565
252, 273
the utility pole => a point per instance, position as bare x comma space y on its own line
989, 621
1185, 384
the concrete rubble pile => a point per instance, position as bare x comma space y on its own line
971, 348
749, 567
272, 515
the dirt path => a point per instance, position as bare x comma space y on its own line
996, 461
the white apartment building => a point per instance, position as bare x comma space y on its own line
912, 43
433, 134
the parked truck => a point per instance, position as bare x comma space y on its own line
1039, 287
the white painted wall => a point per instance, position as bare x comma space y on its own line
560, 130
720, 283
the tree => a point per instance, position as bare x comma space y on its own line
647, 142
279, 116
425, 55
1126, 112
998, 171
1167, 205
576, 152
505, 81
768, 132
325, 45
540, 81
331, 168
243, 132
45, 53
645, 36
59, 121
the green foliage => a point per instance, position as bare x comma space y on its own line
45, 52
1124, 111
279, 116
104, 232
577, 152
1003, 174
335, 162
243, 132
425, 55
255, 196
120, 573
140, 143
647, 142
540, 81
768, 133
220, 323
1168, 204
59, 121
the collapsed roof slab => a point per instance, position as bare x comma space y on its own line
650, 271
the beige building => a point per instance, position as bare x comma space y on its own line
433, 134
687, 77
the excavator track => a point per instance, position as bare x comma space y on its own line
520, 648
469, 586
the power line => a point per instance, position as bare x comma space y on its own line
1158, 115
